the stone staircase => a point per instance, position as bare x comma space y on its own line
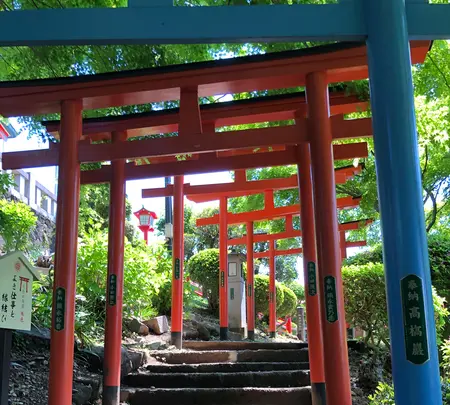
219, 373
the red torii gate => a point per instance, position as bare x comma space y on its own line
316, 356
242, 187
310, 68
268, 213
211, 192
271, 254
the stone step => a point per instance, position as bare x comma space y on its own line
224, 367
218, 396
299, 378
243, 345
231, 356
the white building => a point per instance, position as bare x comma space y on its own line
35, 187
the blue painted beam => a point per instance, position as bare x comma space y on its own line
182, 25
188, 25
428, 21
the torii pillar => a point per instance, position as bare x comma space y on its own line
415, 364
337, 373
114, 287
312, 291
250, 290
64, 286
223, 268
272, 291
177, 265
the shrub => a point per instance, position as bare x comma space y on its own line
289, 305
383, 395
373, 255
17, 220
203, 268
147, 280
286, 299
365, 303
262, 294
438, 252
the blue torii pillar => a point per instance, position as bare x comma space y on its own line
410, 308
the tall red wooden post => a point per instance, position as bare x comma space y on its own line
272, 292
177, 257
250, 284
114, 294
343, 245
313, 303
333, 315
63, 312
223, 268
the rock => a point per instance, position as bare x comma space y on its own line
138, 327
92, 358
155, 345
203, 332
190, 334
81, 394
214, 329
131, 359
158, 325
91, 380
236, 337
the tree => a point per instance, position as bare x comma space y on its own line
198, 238
432, 91
94, 210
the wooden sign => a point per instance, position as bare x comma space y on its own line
16, 282
16, 288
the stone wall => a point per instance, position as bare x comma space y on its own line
44, 233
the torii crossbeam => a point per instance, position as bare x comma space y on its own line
294, 23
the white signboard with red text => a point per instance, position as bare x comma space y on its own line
16, 282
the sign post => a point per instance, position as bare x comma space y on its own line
301, 323
16, 279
